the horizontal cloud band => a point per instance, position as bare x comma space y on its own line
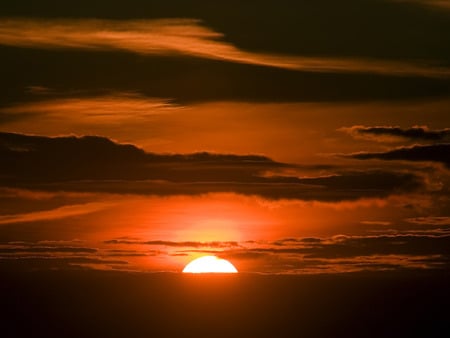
425, 153
382, 133
94, 163
184, 37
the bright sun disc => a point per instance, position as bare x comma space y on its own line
208, 264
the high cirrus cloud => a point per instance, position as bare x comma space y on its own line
97, 164
111, 108
183, 37
58, 213
386, 133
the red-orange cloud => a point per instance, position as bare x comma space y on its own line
185, 37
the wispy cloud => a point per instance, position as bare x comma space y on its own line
192, 244
183, 37
417, 153
341, 253
393, 133
381, 223
46, 249
112, 108
430, 220
331, 254
53, 214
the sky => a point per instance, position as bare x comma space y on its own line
288, 137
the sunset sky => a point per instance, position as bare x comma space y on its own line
289, 137
304, 143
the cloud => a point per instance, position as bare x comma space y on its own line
341, 253
97, 158
57, 213
418, 153
183, 37
381, 223
133, 253
97, 164
354, 246
111, 108
59, 263
430, 220
45, 249
192, 244
389, 133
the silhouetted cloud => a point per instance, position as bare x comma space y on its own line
62, 263
434, 153
45, 249
192, 244
185, 37
383, 133
354, 246
97, 164
343, 253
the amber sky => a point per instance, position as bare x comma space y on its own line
294, 137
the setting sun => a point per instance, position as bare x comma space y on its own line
209, 264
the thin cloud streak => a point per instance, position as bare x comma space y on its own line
55, 214
394, 133
184, 37
112, 108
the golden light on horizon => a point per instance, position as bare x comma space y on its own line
209, 264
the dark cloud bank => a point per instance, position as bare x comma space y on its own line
435, 248
418, 153
413, 133
93, 163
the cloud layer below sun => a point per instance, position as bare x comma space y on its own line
184, 37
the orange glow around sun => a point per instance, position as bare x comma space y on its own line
210, 264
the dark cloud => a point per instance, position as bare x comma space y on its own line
51, 263
93, 163
413, 133
43, 249
333, 254
94, 157
169, 78
191, 244
382, 245
434, 153
130, 254
293, 241
348, 253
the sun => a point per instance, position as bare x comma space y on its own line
209, 264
